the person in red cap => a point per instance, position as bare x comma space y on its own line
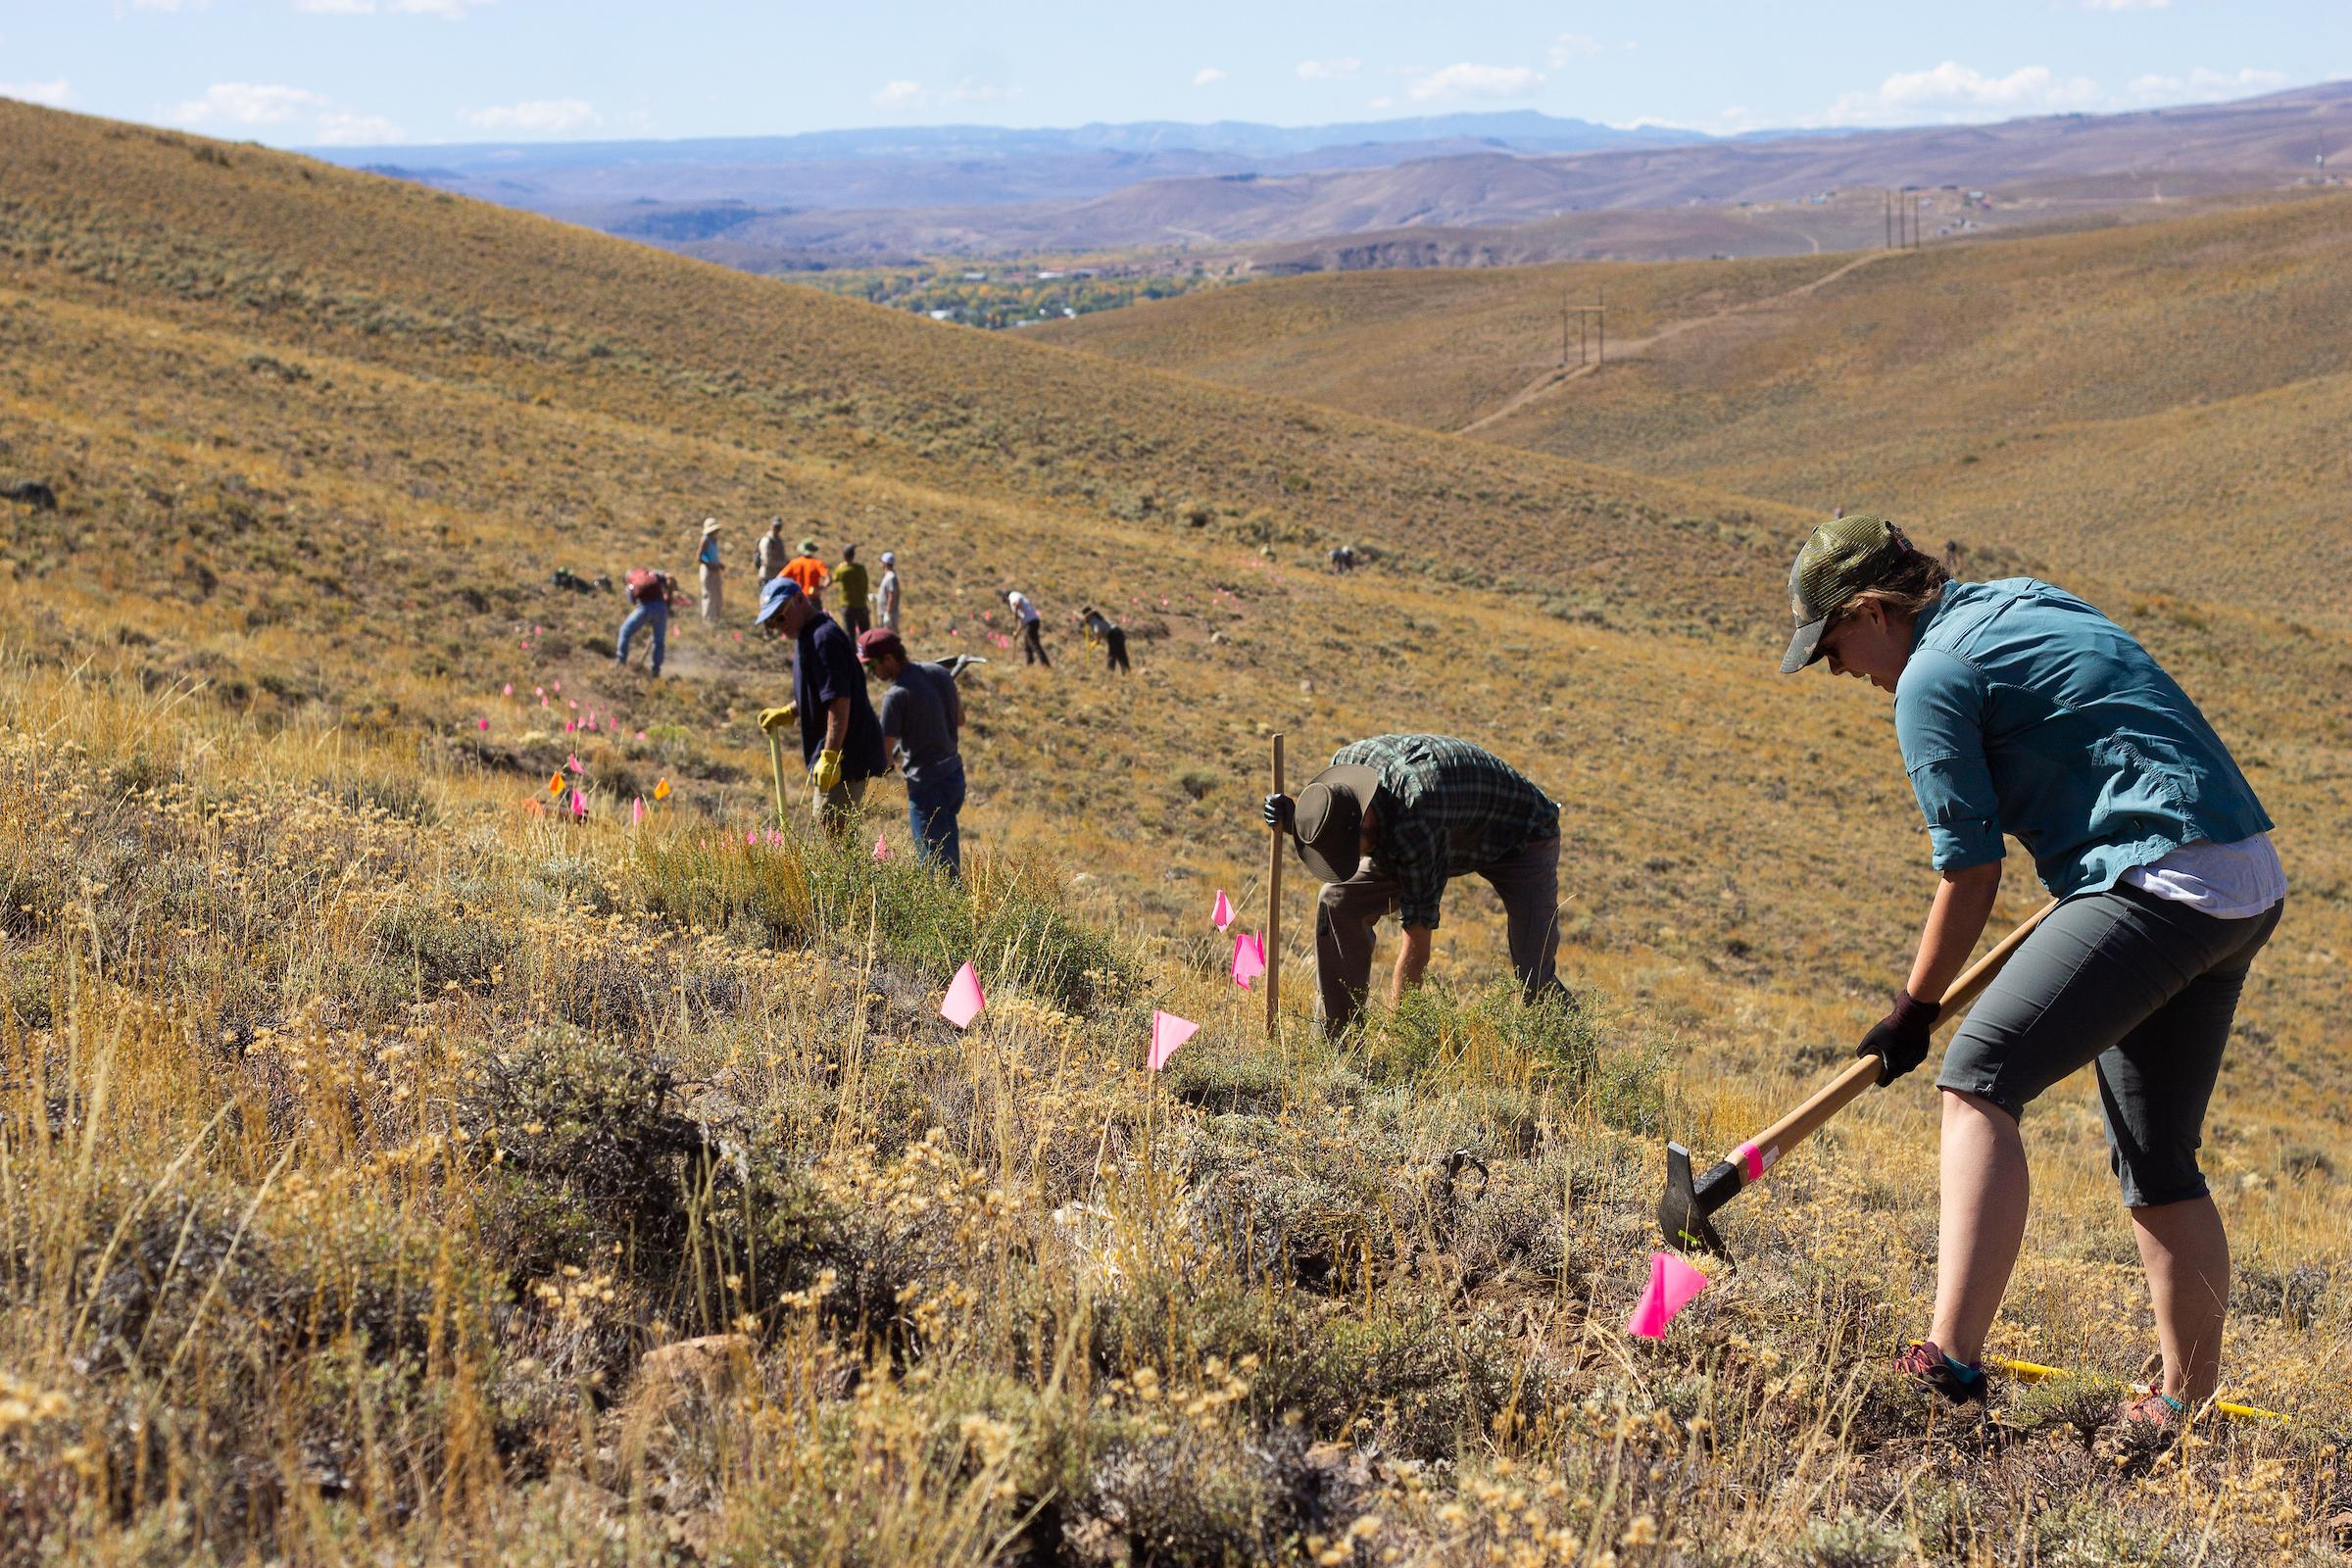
922, 720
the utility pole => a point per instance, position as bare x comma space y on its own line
1886, 209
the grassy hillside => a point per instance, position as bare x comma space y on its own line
376, 1136
2151, 403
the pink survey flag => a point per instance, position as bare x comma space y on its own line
1673, 1285
483, 724
637, 811
1221, 916
881, 850
1248, 957
579, 803
964, 999
1167, 1032
751, 838
508, 690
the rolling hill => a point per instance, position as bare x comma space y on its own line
2149, 402
399, 1167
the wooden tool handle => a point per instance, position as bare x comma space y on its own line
1800, 1123
1274, 911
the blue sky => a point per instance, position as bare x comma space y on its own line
296, 73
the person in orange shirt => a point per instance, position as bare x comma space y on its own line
809, 573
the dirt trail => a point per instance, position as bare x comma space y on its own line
1633, 347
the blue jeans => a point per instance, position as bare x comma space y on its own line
931, 809
655, 613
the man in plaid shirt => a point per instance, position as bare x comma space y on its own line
1388, 825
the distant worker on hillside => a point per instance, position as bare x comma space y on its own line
1387, 825
1033, 628
809, 573
888, 596
650, 594
712, 570
1100, 628
1343, 558
850, 578
841, 740
773, 551
2021, 710
922, 718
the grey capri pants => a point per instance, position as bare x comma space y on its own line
2144, 987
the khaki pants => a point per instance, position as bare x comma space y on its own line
1529, 881
711, 593
837, 807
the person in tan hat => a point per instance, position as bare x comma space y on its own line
708, 559
1387, 825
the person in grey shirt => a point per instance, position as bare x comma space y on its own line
922, 715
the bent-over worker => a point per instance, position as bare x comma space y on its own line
1387, 825
2020, 710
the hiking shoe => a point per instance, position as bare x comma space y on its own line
1959, 1383
2160, 1412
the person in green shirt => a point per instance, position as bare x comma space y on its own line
850, 578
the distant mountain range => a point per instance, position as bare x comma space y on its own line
862, 196
926, 166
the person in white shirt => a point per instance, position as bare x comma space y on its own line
1033, 628
887, 595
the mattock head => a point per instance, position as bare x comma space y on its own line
1684, 1219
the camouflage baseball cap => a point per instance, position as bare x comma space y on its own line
1844, 557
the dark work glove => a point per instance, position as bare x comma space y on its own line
1278, 813
1901, 1038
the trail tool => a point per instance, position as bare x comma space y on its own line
1686, 1210
1273, 953
771, 720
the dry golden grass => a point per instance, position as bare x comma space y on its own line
365, 1131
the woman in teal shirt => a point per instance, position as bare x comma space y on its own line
2022, 711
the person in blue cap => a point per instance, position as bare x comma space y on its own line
841, 739
2022, 711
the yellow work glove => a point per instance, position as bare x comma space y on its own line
826, 774
773, 718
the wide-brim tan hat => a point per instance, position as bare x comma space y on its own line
709, 527
1328, 819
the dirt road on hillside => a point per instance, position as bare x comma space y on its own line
1633, 347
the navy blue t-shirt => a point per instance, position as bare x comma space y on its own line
824, 666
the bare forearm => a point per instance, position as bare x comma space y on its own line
1963, 903
837, 723
1412, 958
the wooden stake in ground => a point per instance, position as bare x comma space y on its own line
1274, 914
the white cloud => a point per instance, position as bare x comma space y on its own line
900, 95
1338, 68
2204, 82
1573, 46
1208, 77
2125, 4
542, 116
168, 5
1466, 80
56, 95
245, 103
446, 10
1953, 91
336, 8
340, 128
